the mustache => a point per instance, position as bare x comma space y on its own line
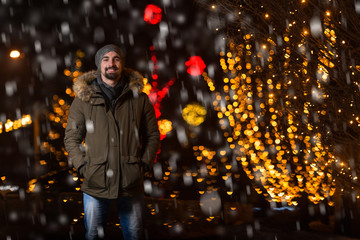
113, 68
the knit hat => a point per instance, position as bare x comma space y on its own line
104, 50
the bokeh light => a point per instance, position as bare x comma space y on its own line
195, 65
194, 114
152, 14
15, 54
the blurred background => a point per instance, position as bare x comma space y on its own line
256, 102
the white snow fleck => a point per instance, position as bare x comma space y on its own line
48, 67
181, 135
99, 35
166, 3
164, 29
148, 186
65, 28
63, 219
316, 94
210, 203
249, 231
203, 170
100, 231
37, 45
90, 126
173, 161
315, 26
188, 181
10, 88
158, 171
180, 18
357, 7
109, 173
13, 216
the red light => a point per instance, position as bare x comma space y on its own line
152, 14
195, 66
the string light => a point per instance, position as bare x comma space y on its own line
10, 125
270, 156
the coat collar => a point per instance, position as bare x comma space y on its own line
84, 89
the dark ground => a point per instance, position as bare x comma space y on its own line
59, 216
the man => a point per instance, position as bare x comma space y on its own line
112, 138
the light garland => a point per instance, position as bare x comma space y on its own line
276, 112
11, 125
267, 150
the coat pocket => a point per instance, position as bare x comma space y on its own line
95, 173
131, 173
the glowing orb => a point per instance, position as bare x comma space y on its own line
194, 114
195, 66
14, 54
165, 126
152, 14
147, 86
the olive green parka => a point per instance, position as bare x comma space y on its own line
111, 148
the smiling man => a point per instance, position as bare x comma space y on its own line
117, 123
111, 67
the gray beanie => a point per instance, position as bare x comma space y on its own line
104, 50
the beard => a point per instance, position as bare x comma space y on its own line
112, 76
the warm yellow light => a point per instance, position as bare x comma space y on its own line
16, 124
165, 126
68, 91
67, 73
194, 114
43, 162
263, 154
14, 54
147, 86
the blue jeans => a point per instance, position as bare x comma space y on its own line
130, 211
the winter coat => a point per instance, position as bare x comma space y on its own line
111, 149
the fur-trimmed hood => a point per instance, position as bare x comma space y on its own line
85, 89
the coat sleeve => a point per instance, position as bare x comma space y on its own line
74, 134
150, 134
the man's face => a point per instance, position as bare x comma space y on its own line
111, 66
